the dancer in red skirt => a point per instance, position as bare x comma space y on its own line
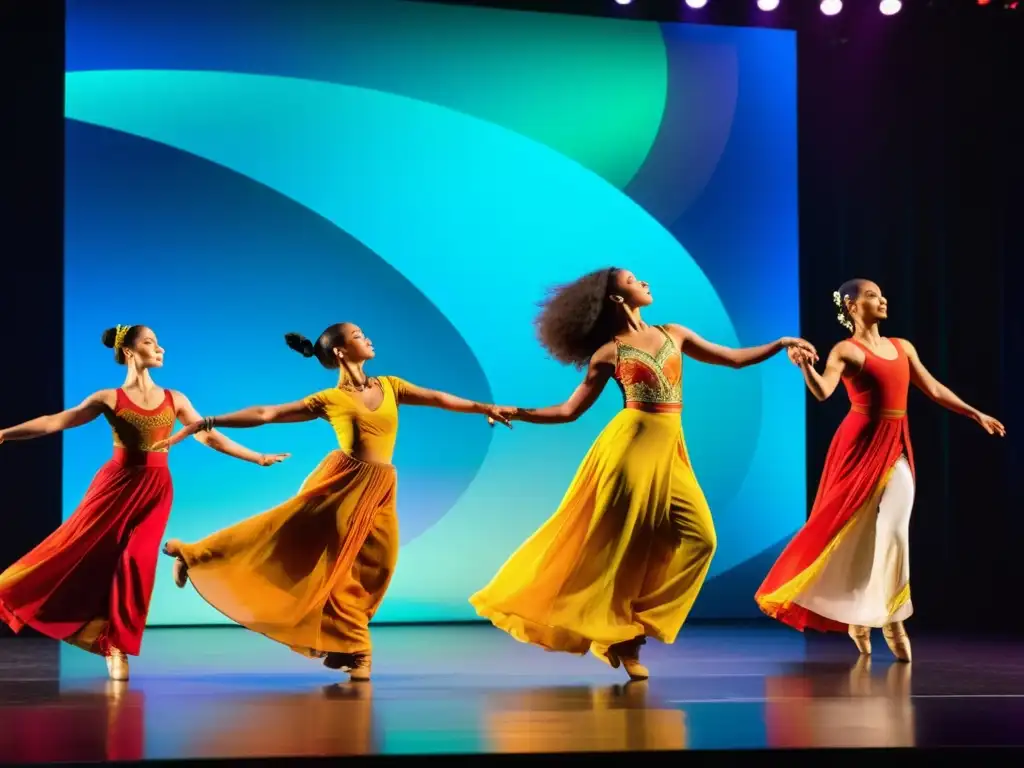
89, 583
848, 568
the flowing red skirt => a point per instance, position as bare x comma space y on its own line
90, 581
865, 448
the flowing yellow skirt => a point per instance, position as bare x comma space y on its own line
625, 554
311, 572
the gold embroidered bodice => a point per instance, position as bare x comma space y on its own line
136, 429
655, 380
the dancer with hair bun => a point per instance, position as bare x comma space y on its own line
848, 568
627, 551
89, 583
311, 572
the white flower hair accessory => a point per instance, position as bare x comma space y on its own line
842, 317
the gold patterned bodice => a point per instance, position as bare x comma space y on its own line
651, 382
136, 429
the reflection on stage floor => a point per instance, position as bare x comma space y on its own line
469, 689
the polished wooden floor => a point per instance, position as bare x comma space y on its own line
471, 690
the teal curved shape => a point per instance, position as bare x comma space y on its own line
464, 209
593, 89
596, 87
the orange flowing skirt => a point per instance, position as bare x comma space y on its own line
311, 572
857, 468
89, 583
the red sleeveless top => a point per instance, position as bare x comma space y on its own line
880, 388
136, 429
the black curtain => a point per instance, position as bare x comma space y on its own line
910, 175
32, 238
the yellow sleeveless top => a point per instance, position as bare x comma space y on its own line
359, 429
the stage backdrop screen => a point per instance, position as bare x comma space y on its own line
236, 171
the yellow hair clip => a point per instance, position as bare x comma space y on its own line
121, 332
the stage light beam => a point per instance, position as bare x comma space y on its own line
831, 7
697, 4
890, 7
767, 5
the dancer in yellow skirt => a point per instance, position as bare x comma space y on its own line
311, 572
626, 553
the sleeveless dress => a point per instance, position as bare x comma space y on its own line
628, 549
849, 564
311, 572
90, 582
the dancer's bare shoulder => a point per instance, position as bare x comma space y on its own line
102, 399
678, 333
848, 354
103, 403
606, 354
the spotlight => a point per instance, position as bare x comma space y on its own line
623, 2
767, 5
890, 7
696, 3
831, 7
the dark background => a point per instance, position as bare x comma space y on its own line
910, 174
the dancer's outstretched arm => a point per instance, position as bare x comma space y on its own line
89, 409
254, 416
600, 370
187, 414
843, 356
922, 378
410, 394
705, 351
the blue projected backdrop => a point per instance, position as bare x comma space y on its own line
238, 171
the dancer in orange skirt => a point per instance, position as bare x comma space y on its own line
89, 583
311, 572
848, 568
627, 551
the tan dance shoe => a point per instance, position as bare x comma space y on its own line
356, 664
172, 548
180, 573
117, 665
861, 637
359, 672
628, 655
898, 640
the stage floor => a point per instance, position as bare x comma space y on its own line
469, 689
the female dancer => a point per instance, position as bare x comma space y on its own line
89, 583
848, 568
311, 572
626, 553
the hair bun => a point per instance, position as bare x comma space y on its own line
299, 343
109, 337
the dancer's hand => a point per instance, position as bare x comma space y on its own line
990, 425
177, 437
799, 357
267, 459
790, 342
502, 413
1, 437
